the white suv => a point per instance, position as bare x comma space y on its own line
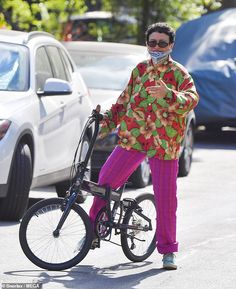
44, 104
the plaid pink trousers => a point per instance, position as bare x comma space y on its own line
116, 171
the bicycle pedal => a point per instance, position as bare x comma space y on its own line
132, 247
95, 244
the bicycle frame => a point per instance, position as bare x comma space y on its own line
69, 228
104, 192
81, 169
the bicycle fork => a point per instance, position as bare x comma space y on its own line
67, 204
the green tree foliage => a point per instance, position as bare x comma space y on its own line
48, 15
150, 11
44, 15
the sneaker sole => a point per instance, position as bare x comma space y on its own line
170, 267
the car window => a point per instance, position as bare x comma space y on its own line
14, 67
57, 64
43, 69
105, 71
67, 63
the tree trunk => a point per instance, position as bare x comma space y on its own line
8, 18
143, 21
228, 4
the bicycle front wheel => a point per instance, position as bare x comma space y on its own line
138, 244
55, 251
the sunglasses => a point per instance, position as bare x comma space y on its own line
154, 43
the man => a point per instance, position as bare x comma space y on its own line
151, 115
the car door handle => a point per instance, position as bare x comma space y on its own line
62, 105
80, 97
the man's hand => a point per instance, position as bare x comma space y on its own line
159, 90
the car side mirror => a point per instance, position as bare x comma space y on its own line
55, 86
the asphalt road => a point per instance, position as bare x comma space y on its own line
206, 233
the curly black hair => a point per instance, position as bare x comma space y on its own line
161, 27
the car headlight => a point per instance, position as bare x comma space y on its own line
4, 126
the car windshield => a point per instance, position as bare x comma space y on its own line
106, 71
14, 67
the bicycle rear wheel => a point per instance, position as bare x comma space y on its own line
138, 245
51, 251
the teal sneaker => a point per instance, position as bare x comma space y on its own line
169, 261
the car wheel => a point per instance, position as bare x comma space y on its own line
62, 187
13, 206
185, 159
141, 177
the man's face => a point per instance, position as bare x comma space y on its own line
159, 42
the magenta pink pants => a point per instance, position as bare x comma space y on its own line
116, 171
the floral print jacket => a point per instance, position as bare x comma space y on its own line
152, 125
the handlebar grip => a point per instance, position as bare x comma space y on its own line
97, 115
100, 116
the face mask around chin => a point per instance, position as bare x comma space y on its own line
157, 56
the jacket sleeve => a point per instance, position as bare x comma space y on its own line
114, 115
185, 97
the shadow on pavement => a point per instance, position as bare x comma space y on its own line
86, 276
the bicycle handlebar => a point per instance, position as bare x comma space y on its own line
96, 114
95, 118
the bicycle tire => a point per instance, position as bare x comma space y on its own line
48, 251
141, 248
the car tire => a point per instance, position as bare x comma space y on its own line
13, 206
141, 176
185, 159
62, 187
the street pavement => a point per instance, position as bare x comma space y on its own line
206, 234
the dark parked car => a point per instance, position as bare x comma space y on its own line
106, 69
100, 26
207, 48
